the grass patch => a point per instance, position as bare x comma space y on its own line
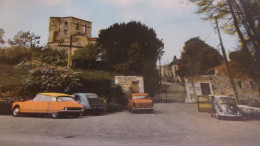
10, 75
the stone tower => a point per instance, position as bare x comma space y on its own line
69, 33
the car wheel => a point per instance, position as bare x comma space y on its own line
213, 115
129, 109
217, 116
16, 111
55, 115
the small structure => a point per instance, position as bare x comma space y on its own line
168, 72
217, 82
130, 84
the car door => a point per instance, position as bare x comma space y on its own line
43, 104
28, 106
54, 105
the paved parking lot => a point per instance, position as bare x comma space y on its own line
170, 124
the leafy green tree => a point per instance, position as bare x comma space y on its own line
25, 39
237, 17
1, 36
86, 56
197, 57
130, 48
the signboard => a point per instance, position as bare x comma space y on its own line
130, 84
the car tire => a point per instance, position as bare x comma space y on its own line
130, 109
16, 111
55, 115
217, 116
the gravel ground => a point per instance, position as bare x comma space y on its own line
170, 124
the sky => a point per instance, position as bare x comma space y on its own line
174, 21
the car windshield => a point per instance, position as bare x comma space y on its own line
65, 98
141, 97
225, 100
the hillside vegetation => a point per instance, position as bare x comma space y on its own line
10, 75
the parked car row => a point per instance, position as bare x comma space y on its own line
59, 104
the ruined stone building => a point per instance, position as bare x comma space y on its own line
69, 33
168, 72
217, 82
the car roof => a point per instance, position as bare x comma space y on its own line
139, 94
54, 94
84, 94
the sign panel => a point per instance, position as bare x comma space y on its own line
130, 84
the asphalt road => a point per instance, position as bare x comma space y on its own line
170, 124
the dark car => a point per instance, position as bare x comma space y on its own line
90, 101
225, 107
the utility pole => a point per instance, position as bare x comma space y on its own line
226, 63
160, 71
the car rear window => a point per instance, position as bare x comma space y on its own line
141, 97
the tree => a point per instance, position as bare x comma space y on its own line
197, 57
130, 48
1, 36
25, 39
237, 17
86, 56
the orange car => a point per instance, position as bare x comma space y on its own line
55, 104
140, 102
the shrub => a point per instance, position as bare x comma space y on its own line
104, 88
115, 108
13, 55
44, 77
117, 95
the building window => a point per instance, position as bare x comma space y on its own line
52, 22
77, 27
85, 28
252, 84
66, 23
239, 84
65, 32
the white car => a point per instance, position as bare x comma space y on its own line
225, 107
